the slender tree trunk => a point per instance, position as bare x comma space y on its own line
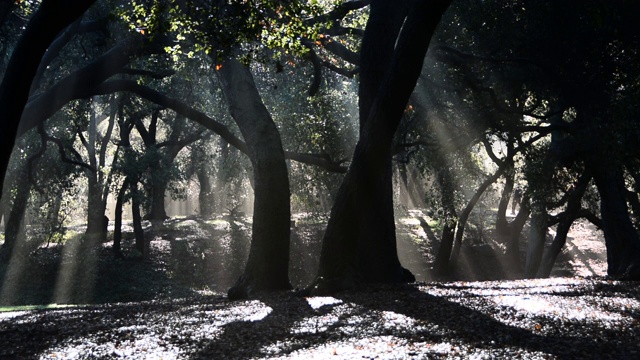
117, 227
268, 264
464, 215
446, 184
359, 243
205, 195
137, 219
512, 253
502, 225
567, 217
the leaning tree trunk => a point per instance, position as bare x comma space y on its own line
359, 243
466, 212
268, 264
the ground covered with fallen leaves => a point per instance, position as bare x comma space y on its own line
170, 305
533, 319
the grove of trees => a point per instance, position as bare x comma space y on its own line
359, 108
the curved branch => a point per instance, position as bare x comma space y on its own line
317, 69
42, 106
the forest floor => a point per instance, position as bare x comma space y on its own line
171, 305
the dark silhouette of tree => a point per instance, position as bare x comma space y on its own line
359, 243
268, 264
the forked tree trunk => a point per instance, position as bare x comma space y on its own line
359, 244
268, 263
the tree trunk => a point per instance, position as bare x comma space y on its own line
512, 253
157, 211
95, 209
14, 223
359, 244
464, 215
502, 225
205, 196
51, 17
446, 184
117, 226
537, 238
268, 264
567, 218
137, 219
621, 238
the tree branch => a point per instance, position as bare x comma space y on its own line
154, 96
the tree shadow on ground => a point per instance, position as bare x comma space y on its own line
268, 336
432, 320
480, 330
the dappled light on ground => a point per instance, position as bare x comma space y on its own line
532, 319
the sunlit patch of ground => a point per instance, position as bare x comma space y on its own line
533, 319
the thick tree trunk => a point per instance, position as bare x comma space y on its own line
621, 238
157, 211
539, 215
359, 243
51, 17
268, 264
